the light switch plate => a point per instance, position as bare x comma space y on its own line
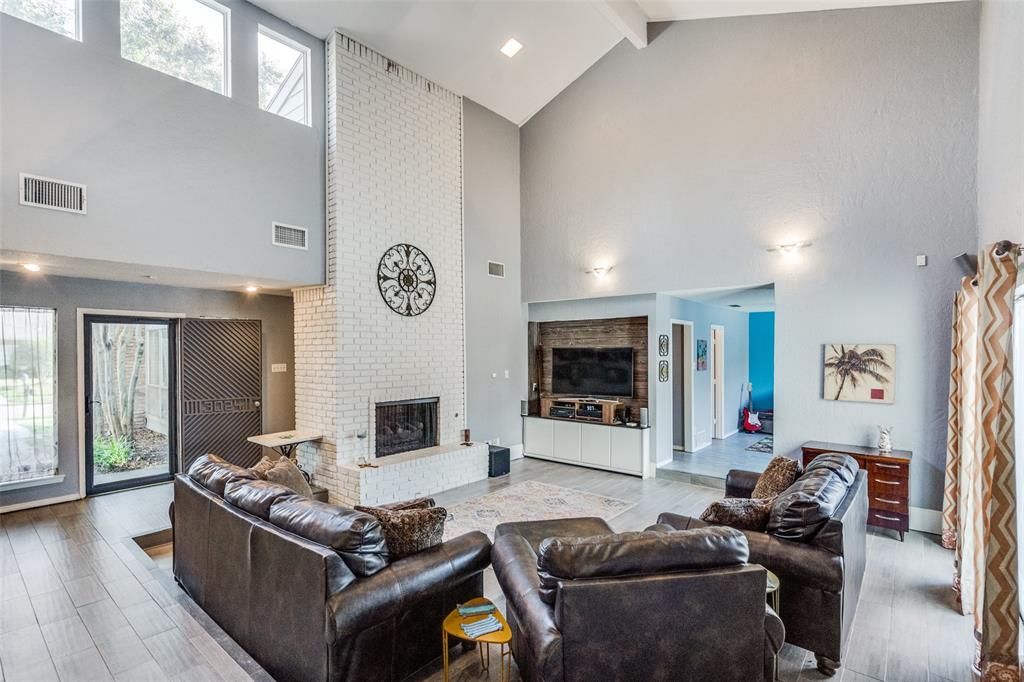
279, 367
922, 260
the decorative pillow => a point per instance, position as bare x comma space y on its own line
261, 467
777, 476
408, 531
739, 512
418, 503
284, 472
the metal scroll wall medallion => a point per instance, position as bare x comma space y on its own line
406, 279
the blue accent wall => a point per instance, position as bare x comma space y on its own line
761, 359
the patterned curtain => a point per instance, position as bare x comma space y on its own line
979, 505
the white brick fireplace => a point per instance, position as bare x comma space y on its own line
394, 170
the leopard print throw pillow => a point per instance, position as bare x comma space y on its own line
778, 475
738, 512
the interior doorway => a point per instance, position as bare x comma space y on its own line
682, 386
717, 353
130, 387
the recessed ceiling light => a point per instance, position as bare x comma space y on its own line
251, 289
510, 48
31, 267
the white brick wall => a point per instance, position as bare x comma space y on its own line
394, 176
405, 480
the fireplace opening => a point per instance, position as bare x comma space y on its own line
404, 425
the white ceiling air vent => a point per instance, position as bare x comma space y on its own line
291, 236
495, 269
59, 195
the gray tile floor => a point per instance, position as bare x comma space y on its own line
710, 465
80, 601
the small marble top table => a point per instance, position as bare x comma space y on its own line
284, 441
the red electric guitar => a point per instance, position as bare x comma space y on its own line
751, 422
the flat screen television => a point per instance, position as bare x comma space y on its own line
592, 372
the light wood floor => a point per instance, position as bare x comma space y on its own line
80, 601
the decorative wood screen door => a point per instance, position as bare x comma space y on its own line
221, 380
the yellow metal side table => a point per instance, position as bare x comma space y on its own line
502, 638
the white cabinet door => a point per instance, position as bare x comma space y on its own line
537, 439
596, 444
567, 441
627, 449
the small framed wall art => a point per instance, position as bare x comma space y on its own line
663, 345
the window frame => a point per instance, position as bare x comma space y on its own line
55, 476
307, 57
78, 22
225, 12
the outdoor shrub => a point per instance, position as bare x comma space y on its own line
111, 454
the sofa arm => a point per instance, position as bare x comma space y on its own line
774, 638
391, 591
537, 643
739, 483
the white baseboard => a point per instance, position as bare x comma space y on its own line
515, 451
731, 433
926, 520
39, 503
662, 462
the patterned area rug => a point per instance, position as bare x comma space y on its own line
528, 501
765, 445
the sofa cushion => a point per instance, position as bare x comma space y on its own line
738, 512
636, 553
409, 531
843, 466
256, 497
357, 537
284, 472
213, 473
780, 473
803, 508
261, 467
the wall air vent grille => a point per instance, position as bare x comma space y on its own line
495, 269
59, 195
290, 236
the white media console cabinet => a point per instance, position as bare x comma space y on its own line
624, 449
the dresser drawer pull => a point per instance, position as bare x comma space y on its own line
879, 480
882, 499
888, 466
888, 518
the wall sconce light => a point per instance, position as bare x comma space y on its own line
789, 249
600, 272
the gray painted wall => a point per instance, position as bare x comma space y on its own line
67, 295
178, 176
1001, 122
854, 129
495, 315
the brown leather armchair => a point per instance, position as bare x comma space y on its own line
306, 587
816, 543
652, 605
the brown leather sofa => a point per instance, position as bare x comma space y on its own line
816, 543
588, 604
306, 587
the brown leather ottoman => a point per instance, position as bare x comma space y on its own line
536, 531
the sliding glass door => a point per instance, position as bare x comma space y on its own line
130, 389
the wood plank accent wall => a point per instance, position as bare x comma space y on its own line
618, 332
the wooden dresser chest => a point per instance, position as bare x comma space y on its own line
888, 481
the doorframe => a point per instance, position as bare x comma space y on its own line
717, 378
80, 315
687, 380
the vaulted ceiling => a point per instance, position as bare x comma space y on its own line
455, 42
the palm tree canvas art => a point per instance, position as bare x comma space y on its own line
860, 372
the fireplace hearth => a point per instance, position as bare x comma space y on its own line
404, 425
